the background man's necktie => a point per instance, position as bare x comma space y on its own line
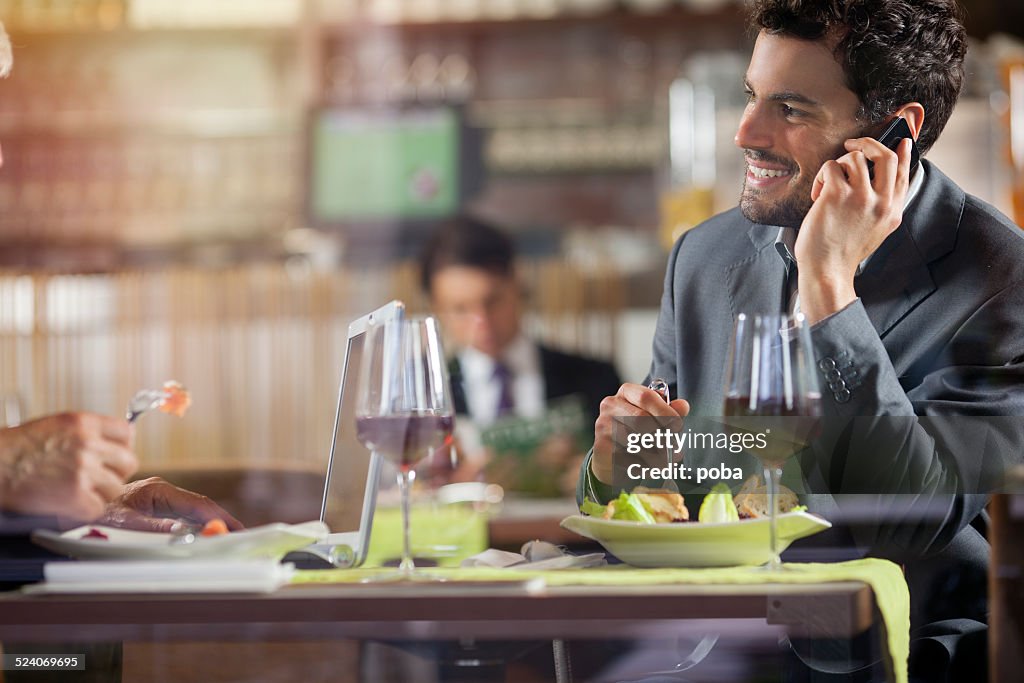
503, 376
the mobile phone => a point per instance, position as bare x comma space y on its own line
891, 136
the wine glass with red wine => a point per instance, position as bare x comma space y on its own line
404, 407
771, 384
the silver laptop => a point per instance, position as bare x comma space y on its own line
353, 472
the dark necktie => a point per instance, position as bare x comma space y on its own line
503, 376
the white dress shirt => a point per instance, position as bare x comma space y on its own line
522, 358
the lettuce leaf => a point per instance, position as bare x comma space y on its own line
629, 506
718, 506
591, 508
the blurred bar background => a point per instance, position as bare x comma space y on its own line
210, 191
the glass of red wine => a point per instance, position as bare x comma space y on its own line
771, 384
404, 407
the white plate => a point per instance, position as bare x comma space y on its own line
272, 541
694, 544
203, 575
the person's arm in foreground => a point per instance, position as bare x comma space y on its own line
68, 465
74, 466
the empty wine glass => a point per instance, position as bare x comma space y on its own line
404, 407
771, 374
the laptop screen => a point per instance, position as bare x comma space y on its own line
352, 471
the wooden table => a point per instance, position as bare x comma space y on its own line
525, 519
438, 611
458, 611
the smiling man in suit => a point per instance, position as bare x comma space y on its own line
913, 288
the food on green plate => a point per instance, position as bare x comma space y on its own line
592, 509
752, 500
650, 508
628, 506
665, 507
718, 506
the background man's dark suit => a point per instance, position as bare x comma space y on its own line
565, 374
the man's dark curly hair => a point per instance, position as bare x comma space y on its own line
892, 51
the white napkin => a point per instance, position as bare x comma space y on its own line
160, 576
534, 555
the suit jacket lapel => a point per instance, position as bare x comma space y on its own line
756, 281
897, 278
458, 387
552, 372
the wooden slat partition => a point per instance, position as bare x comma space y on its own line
260, 347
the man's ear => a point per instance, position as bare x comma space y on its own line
913, 114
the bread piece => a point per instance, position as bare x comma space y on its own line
752, 500
665, 507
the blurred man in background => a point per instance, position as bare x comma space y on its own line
501, 377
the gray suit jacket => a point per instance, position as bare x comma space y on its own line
938, 331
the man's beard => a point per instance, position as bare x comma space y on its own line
789, 211
792, 208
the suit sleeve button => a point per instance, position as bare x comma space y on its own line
837, 385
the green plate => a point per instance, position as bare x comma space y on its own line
694, 544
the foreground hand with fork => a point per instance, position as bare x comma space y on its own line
157, 505
69, 464
74, 466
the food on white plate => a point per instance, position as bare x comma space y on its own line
214, 527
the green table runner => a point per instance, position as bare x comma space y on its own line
885, 579
446, 534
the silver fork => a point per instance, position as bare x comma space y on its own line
144, 401
661, 386
185, 534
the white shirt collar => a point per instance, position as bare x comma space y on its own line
522, 357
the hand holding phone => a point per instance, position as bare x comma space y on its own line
891, 136
853, 211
